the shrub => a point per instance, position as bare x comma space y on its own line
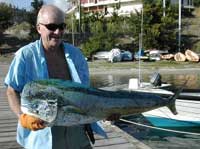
21, 31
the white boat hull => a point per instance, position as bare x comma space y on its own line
188, 115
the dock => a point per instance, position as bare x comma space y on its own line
8, 124
117, 138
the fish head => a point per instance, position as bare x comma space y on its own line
45, 110
38, 100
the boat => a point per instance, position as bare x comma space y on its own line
188, 114
154, 86
187, 105
167, 56
179, 57
191, 56
115, 55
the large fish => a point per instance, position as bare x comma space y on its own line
67, 103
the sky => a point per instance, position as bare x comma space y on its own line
26, 4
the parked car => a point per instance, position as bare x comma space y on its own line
141, 55
156, 54
102, 55
155, 57
126, 55
115, 55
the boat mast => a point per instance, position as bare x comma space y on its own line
140, 48
179, 27
164, 7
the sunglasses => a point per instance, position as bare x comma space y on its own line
53, 27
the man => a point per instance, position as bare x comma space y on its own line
48, 57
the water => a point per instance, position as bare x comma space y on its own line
193, 80
156, 139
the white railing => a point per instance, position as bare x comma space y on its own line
103, 2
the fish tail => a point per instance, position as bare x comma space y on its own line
172, 99
172, 108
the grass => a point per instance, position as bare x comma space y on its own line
101, 64
144, 65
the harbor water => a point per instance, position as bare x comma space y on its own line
192, 80
154, 138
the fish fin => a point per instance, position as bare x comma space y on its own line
176, 94
172, 99
89, 132
172, 108
98, 128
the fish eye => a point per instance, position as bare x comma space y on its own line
51, 102
54, 101
35, 106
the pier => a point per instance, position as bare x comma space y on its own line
8, 124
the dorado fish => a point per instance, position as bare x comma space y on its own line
66, 103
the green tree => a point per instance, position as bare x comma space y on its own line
103, 32
95, 42
134, 27
109, 32
159, 30
196, 3
6, 12
36, 4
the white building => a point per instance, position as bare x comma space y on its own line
107, 6
185, 3
126, 6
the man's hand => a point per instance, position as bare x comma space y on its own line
31, 122
113, 117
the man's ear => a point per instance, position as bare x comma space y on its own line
38, 28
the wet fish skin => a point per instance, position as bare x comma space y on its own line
67, 103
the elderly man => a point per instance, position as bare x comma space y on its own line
48, 57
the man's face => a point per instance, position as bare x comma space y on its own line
51, 29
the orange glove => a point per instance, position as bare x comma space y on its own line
31, 122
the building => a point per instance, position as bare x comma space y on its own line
126, 7
108, 6
185, 3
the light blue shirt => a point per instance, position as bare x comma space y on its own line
30, 64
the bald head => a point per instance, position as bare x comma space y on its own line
50, 12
